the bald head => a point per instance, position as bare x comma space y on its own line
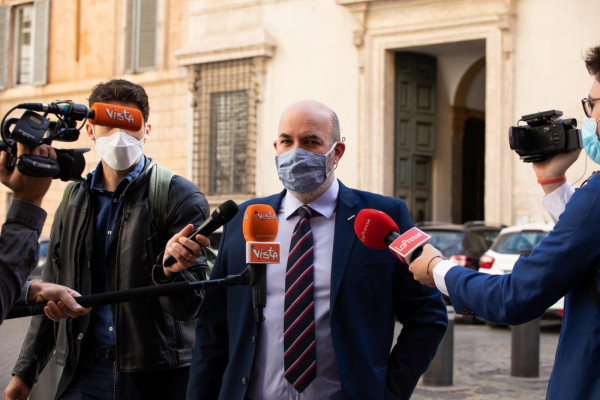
312, 113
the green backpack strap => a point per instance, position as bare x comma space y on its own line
65, 200
158, 194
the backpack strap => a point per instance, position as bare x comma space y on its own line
158, 194
65, 200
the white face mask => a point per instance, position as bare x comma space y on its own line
119, 150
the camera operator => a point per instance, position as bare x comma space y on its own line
19, 244
566, 263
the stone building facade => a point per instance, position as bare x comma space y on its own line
425, 90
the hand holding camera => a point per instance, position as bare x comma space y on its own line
27, 188
544, 135
550, 143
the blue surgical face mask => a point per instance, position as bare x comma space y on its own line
591, 144
302, 171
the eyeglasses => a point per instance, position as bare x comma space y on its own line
588, 107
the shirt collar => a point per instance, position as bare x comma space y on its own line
96, 183
324, 204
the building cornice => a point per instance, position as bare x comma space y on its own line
231, 46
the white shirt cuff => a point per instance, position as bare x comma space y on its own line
554, 202
25, 290
439, 275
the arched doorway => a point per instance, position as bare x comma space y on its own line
468, 134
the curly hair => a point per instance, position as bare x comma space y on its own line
123, 91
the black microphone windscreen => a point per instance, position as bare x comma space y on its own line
225, 212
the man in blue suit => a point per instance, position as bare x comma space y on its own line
356, 293
566, 263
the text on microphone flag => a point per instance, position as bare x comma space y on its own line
262, 253
406, 244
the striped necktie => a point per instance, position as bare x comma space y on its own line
299, 316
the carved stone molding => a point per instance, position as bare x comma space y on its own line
231, 46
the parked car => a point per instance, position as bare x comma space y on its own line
463, 244
510, 244
36, 274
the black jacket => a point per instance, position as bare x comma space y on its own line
151, 334
18, 250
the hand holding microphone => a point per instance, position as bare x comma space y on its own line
422, 267
378, 230
176, 247
183, 250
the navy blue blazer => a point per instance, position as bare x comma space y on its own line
557, 267
369, 290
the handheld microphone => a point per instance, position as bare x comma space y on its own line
260, 228
219, 217
129, 119
378, 230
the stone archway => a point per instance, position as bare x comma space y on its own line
468, 150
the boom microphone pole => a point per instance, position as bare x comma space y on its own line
97, 299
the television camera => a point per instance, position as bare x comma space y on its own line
544, 135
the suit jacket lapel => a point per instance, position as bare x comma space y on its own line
275, 200
344, 237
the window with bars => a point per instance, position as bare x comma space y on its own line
141, 35
24, 32
225, 127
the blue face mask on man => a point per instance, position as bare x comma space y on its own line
591, 144
302, 171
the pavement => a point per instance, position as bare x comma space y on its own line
481, 367
12, 332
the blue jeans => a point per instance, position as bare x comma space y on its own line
98, 380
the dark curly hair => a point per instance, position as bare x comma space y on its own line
592, 61
122, 91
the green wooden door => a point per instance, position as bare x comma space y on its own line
414, 131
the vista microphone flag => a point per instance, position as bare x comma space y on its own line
129, 119
378, 230
126, 118
260, 227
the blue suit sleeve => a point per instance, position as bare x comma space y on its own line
567, 256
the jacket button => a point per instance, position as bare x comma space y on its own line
244, 380
80, 336
253, 339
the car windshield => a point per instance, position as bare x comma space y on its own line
489, 236
518, 242
447, 242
